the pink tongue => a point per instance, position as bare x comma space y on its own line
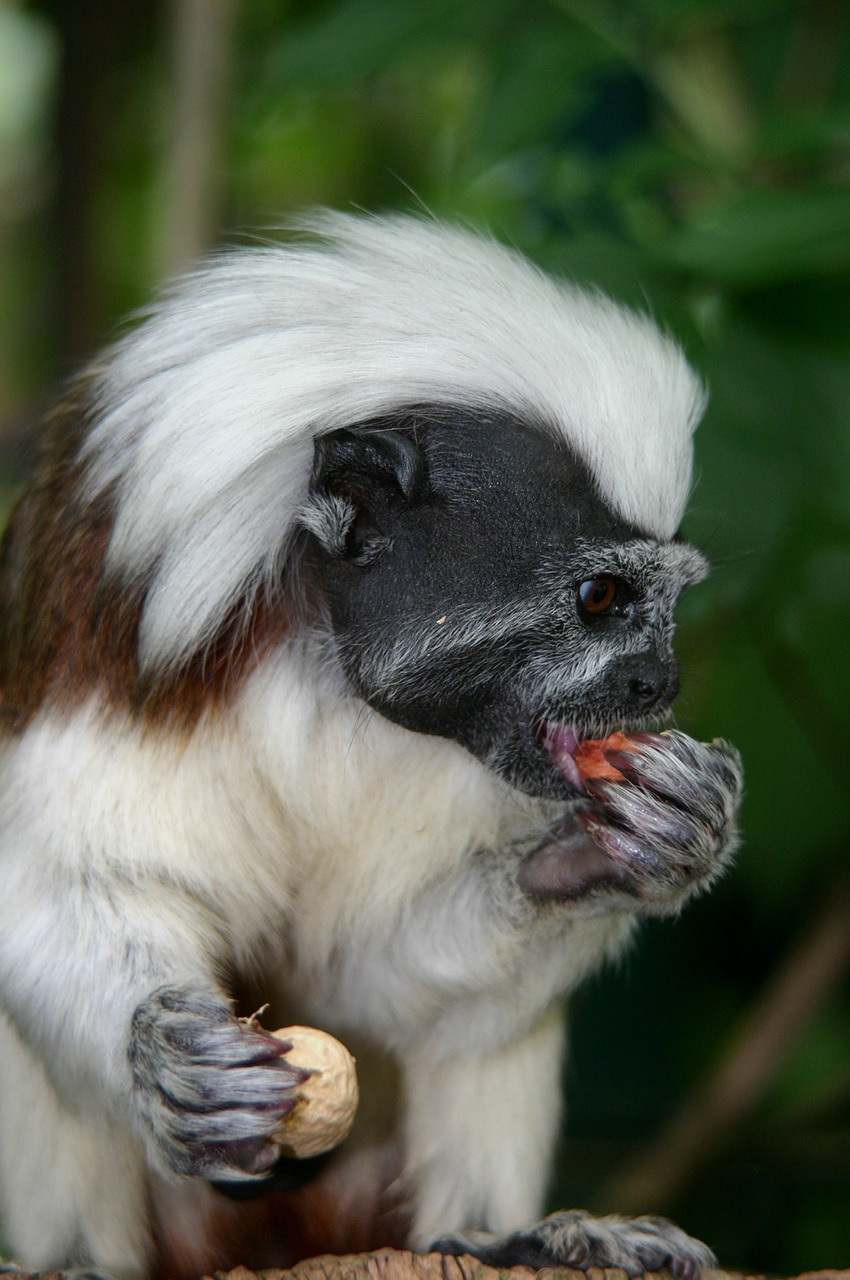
560, 741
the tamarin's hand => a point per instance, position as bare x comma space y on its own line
212, 1089
659, 826
668, 822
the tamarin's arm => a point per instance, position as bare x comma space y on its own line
480, 1133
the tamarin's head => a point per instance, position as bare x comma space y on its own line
472, 475
480, 587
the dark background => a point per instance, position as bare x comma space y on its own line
693, 158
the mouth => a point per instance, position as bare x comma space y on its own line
579, 759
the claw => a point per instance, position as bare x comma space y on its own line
615, 841
598, 789
625, 762
684, 1268
646, 739
251, 1156
578, 1256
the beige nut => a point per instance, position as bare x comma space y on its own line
327, 1101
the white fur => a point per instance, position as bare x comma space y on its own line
212, 404
461, 1169
68, 1190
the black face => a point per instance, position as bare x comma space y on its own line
480, 589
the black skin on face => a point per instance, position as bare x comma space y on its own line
452, 513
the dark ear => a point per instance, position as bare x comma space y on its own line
359, 478
390, 459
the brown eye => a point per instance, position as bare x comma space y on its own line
597, 594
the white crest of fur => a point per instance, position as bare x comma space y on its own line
207, 413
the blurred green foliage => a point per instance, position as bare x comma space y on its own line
692, 157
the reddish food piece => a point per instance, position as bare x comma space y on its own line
590, 756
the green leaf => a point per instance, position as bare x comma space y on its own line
767, 236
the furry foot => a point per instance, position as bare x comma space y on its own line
574, 1238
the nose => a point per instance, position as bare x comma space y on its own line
647, 682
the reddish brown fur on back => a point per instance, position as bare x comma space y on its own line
66, 632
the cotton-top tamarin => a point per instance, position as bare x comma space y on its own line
324, 573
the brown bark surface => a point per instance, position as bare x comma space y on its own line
395, 1264
399, 1264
